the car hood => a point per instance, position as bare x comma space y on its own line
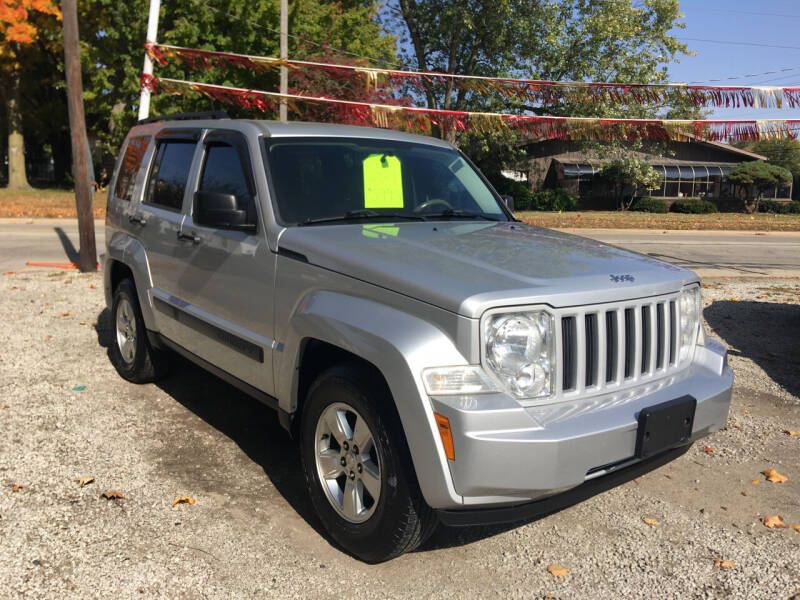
467, 267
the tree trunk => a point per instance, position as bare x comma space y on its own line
17, 180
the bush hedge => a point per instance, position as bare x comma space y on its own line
779, 208
694, 206
516, 189
651, 205
553, 200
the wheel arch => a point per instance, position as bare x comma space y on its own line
331, 326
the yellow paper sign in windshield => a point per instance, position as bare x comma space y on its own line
383, 181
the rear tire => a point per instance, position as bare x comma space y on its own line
359, 406
131, 352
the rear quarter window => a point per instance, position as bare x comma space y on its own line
131, 162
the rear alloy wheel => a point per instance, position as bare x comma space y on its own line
358, 468
131, 352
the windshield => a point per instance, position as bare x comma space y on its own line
339, 180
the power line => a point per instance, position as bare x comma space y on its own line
750, 75
732, 43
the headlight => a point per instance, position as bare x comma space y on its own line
690, 306
519, 352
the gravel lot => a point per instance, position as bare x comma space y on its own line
251, 532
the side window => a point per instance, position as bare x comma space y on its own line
134, 153
223, 172
170, 173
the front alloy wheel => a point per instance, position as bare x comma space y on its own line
126, 331
358, 467
347, 462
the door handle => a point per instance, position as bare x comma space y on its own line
192, 237
137, 219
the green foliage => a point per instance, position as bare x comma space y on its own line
602, 40
651, 205
516, 189
114, 33
694, 206
554, 200
758, 173
629, 170
779, 208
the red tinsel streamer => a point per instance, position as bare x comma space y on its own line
536, 127
536, 91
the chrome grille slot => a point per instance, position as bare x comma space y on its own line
646, 338
613, 346
569, 353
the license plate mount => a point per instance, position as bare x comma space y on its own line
664, 426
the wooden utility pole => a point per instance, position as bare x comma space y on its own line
77, 128
284, 55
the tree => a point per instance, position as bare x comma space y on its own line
18, 28
579, 40
783, 153
758, 176
629, 171
112, 64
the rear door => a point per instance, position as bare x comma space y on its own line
228, 274
158, 218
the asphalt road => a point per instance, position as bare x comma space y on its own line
708, 253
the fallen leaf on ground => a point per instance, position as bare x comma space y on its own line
112, 496
795, 527
650, 521
83, 323
774, 521
17, 488
556, 570
724, 564
773, 476
48, 336
755, 481
745, 412
735, 299
5, 407
91, 286
82, 481
183, 500
737, 426
745, 494
66, 314
8, 273
708, 449
792, 433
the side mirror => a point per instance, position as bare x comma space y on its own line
509, 200
220, 211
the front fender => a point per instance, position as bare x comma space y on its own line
400, 346
126, 249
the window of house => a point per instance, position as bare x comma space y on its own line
134, 154
170, 173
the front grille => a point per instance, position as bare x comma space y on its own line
609, 346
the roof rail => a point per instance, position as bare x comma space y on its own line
186, 117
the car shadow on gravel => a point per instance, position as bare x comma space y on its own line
254, 427
768, 333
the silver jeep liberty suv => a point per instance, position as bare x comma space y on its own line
436, 359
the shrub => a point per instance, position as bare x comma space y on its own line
694, 206
554, 200
770, 206
651, 205
516, 189
792, 208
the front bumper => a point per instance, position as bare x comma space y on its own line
507, 454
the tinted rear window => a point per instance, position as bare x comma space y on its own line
170, 173
134, 154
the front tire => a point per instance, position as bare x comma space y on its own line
131, 352
358, 469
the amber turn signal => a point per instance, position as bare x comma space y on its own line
443, 423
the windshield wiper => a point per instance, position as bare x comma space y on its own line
450, 213
364, 214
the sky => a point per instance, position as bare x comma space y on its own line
748, 31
